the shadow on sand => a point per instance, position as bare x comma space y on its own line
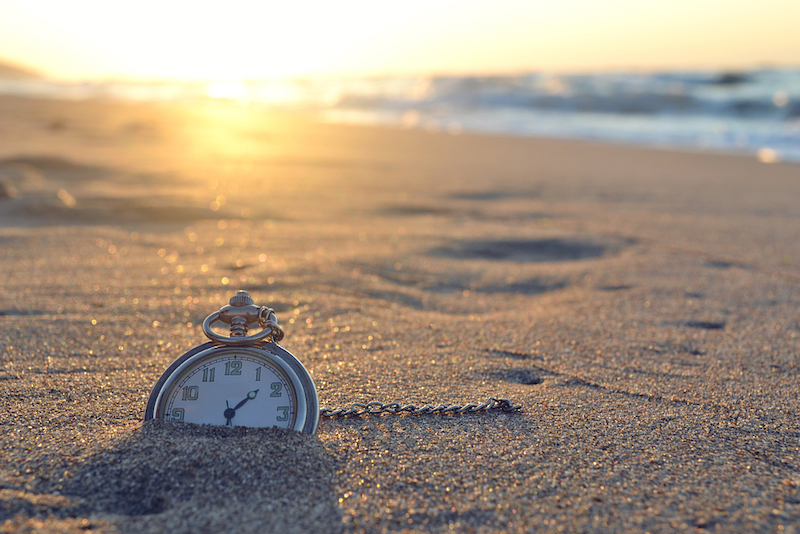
526, 250
53, 190
238, 479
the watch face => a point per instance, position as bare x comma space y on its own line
237, 386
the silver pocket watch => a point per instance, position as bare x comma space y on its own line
238, 380
250, 380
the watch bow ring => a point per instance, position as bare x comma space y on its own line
239, 315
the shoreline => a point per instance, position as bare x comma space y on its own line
319, 116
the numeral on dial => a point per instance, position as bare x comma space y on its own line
276, 390
177, 414
208, 375
233, 368
258, 374
285, 415
191, 393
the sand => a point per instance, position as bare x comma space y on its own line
641, 304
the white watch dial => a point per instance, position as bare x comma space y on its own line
233, 387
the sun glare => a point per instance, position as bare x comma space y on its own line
252, 39
232, 90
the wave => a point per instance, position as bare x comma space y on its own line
757, 94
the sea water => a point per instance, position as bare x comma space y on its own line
752, 112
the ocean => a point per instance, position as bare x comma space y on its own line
755, 112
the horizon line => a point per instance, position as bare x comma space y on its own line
34, 73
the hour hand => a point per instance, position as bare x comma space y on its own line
229, 413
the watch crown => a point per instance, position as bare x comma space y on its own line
241, 298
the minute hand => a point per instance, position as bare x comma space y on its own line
251, 395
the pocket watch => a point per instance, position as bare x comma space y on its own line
238, 380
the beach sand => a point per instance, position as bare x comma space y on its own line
642, 305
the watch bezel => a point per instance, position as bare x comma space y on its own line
307, 418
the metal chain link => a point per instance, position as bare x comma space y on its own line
267, 319
377, 407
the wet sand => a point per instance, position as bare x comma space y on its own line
642, 305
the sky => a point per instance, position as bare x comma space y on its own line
243, 39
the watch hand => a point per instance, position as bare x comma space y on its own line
250, 396
229, 413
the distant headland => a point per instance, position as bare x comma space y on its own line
11, 71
